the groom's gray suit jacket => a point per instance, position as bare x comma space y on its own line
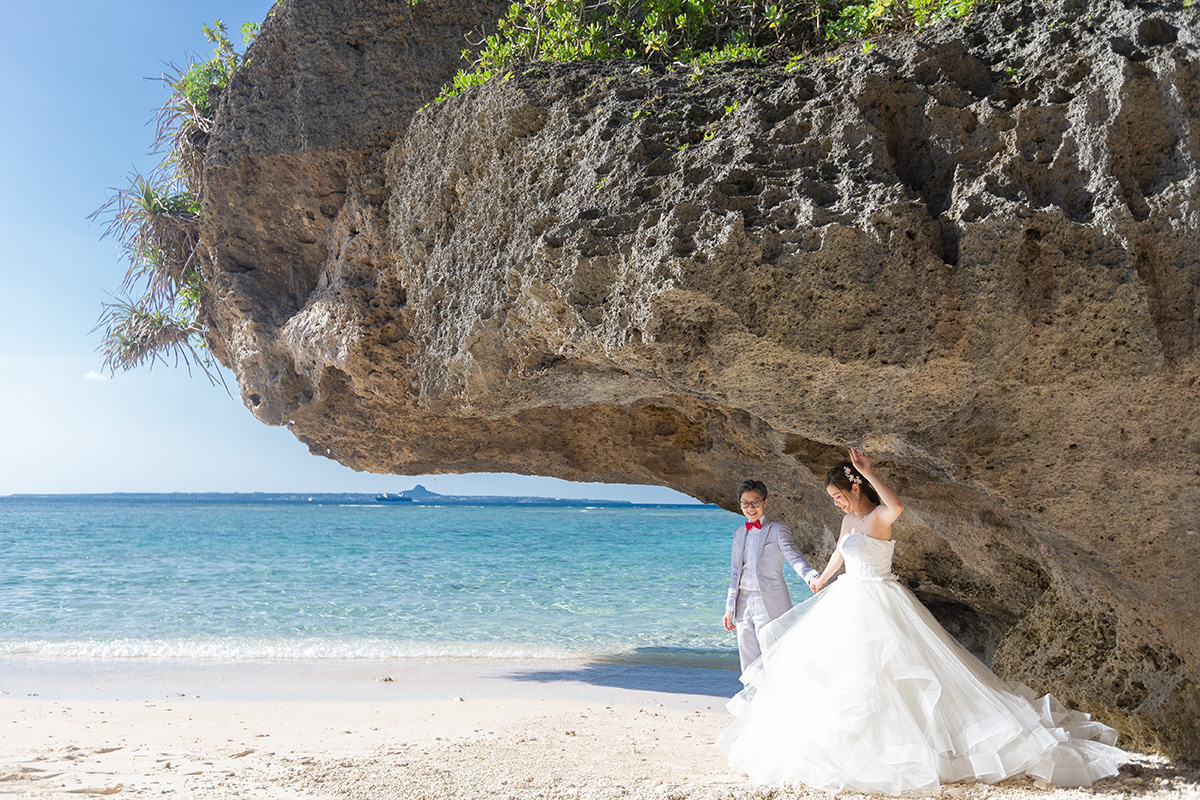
764, 558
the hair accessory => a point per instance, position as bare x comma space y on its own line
852, 476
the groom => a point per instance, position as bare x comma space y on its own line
757, 592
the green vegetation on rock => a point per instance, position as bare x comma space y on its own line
156, 219
691, 32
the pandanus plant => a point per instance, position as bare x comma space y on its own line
156, 218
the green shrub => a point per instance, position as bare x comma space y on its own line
156, 219
691, 32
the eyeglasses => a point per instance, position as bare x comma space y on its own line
747, 504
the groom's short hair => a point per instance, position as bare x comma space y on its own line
751, 485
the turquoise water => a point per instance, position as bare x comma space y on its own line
81, 578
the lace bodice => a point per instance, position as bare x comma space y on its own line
866, 558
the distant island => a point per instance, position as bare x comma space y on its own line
418, 495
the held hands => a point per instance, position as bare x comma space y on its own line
728, 620
815, 585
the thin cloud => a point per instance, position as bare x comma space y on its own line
92, 375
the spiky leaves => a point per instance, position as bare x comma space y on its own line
136, 335
157, 218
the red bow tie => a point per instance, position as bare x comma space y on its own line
754, 524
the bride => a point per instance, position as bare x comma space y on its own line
859, 688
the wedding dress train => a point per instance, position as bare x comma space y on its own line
861, 689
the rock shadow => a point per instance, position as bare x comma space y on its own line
651, 669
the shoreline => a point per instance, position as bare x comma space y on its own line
440, 728
615, 679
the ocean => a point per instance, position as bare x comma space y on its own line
194, 577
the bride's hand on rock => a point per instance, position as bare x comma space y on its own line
860, 460
889, 501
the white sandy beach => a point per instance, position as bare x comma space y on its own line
436, 729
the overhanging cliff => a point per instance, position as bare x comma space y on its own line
973, 251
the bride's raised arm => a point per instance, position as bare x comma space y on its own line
890, 504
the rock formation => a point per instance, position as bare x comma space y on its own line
972, 251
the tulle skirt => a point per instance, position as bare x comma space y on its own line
860, 688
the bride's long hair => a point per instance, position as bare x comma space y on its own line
845, 477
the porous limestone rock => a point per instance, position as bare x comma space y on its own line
972, 251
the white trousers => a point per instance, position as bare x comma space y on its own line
751, 617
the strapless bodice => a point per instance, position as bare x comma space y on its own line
867, 558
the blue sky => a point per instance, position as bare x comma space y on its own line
78, 85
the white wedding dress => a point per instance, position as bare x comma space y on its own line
861, 689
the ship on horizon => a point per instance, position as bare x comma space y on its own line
390, 497
419, 495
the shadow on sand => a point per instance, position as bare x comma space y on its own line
652, 669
